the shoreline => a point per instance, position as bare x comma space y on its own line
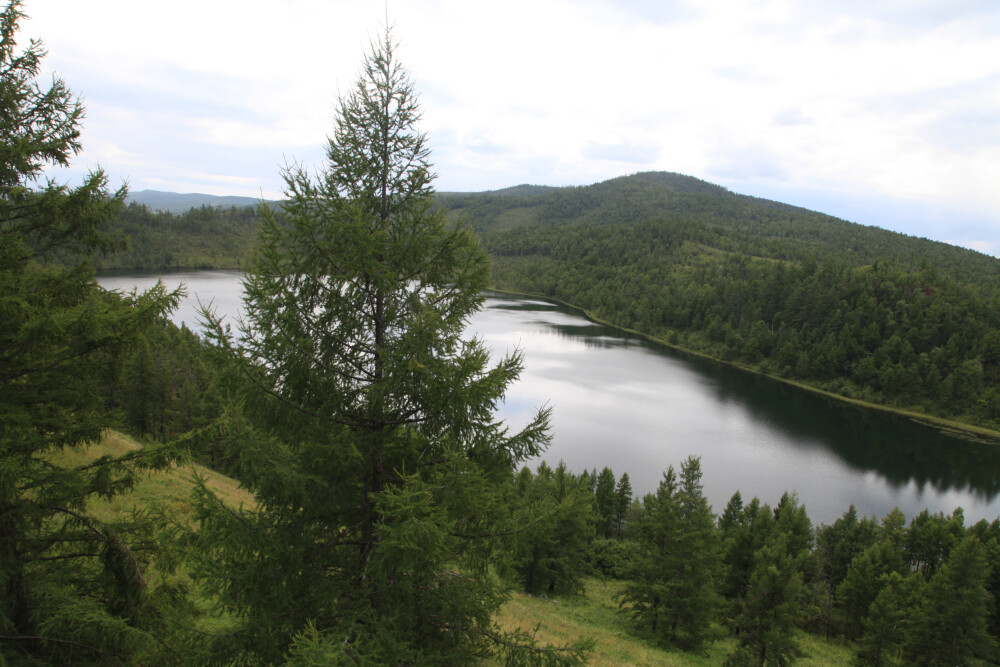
956, 428
959, 429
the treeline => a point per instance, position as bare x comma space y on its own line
861, 312
201, 238
898, 593
166, 384
854, 310
918, 594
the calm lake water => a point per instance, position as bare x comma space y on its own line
622, 402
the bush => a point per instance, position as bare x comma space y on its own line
613, 558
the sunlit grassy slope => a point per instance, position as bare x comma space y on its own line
563, 620
595, 614
170, 489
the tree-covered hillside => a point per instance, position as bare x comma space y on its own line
177, 203
201, 238
860, 311
856, 310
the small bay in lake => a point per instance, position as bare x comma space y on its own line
637, 407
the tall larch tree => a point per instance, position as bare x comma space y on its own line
72, 589
623, 499
765, 624
950, 626
363, 421
674, 592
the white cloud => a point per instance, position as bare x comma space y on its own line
636, 153
893, 100
985, 247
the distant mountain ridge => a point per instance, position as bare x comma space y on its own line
853, 310
173, 202
177, 203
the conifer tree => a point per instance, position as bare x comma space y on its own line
363, 421
72, 589
766, 622
864, 580
950, 627
744, 529
604, 499
889, 617
623, 499
674, 594
645, 597
790, 518
556, 515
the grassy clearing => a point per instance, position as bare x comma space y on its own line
595, 614
169, 493
169, 490
562, 620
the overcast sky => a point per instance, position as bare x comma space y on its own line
882, 112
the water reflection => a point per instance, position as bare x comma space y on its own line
623, 402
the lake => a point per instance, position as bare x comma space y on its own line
637, 407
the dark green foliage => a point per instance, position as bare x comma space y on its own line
889, 616
950, 626
767, 554
202, 238
673, 595
550, 551
839, 544
744, 531
623, 500
606, 503
855, 310
790, 519
615, 558
765, 623
864, 581
72, 590
363, 422
168, 386
930, 538
989, 535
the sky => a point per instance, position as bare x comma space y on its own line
882, 112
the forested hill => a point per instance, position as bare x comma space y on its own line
856, 310
176, 203
201, 238
735, 222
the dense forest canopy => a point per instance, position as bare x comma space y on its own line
855, 310
858, 311
389, 516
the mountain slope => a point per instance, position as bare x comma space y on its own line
855, 310
858, 311
173, 202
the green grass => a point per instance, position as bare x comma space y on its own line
169, 490
595, 614
562, 620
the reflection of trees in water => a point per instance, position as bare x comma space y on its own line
501, 301
592, 336
595, 336
898, 449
